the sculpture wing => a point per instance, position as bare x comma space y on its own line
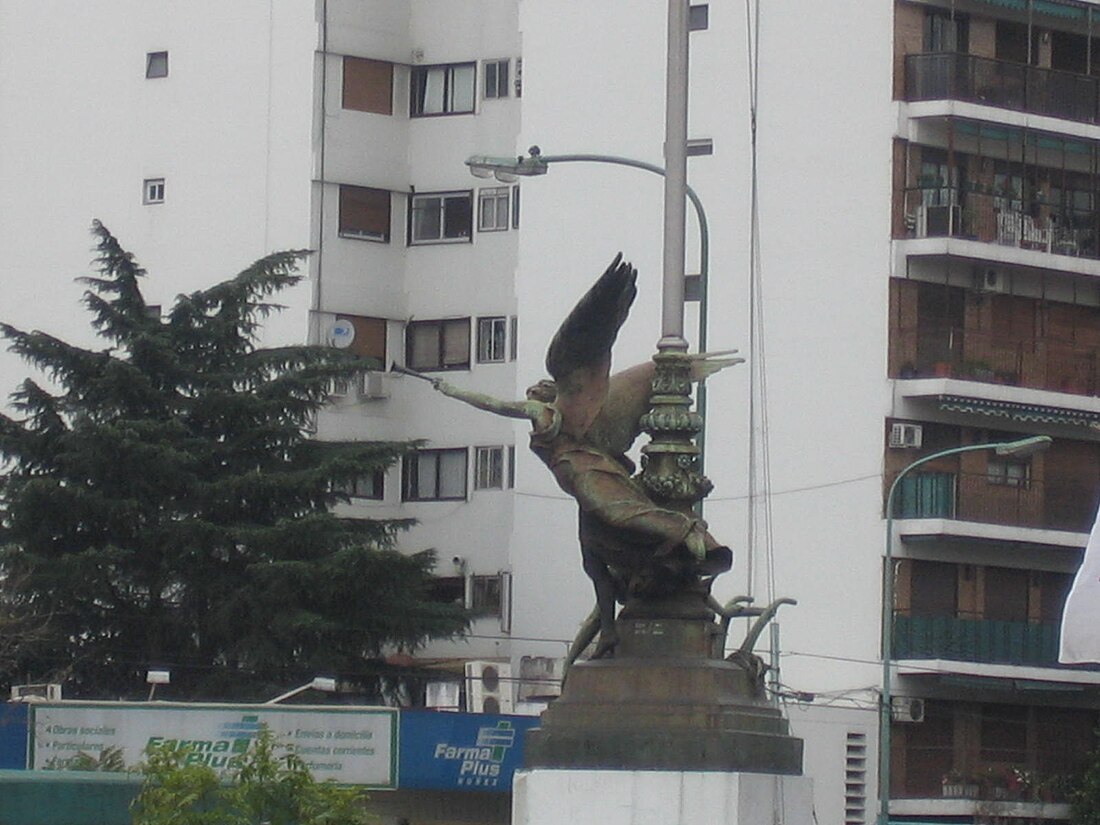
579, 357
617, 425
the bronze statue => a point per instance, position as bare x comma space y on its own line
583, 423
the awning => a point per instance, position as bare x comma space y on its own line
1013, 411
1053, 8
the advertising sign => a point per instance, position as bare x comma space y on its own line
350, 745
465, 751
13, 736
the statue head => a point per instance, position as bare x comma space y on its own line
545, 391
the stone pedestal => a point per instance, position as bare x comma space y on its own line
664, 703
603, 797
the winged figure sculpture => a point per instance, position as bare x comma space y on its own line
584, 422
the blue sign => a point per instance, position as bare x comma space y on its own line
13, 736
463, 751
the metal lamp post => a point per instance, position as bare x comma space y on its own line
1020, 448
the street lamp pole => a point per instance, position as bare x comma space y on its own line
676, 123
536, 163
1020, 448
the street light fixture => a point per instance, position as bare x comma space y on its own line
326, 684
534, 163
1022, 448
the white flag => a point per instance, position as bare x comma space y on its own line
1081, 617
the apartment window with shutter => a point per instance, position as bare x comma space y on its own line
368, 85
441, 217
496, 78
368, 337
442, 90
434, 475
438, 345
365, 213
491, 340
489, 468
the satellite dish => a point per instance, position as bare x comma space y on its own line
341, 333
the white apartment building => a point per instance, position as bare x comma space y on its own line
923, 276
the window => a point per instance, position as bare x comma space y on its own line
699, 17
371, 487
434, 475
442, 90
515, 206
513, 337
361, 336
368, 85
448, 590
1008, 473
485, 595
519, 77
438, 345
156, 64
489, 468
365, 213
491, 340
492, 209
153, 190
496, 78
442, 217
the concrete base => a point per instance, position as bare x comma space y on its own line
548, 796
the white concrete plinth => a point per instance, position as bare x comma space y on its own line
550, 796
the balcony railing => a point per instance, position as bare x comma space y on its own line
1057, 504
978, 213
976, 640
950, 76
937, 350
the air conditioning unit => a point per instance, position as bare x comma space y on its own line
340, 387
36, 693
489, 687
906, 709
906, 436
443, 696
539, 678
374, 386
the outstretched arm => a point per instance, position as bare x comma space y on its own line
510, 409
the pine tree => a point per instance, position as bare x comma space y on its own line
165, 507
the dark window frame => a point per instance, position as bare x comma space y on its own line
413, 358
454, 217
410, 475
418, 79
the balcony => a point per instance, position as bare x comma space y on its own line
976, 640
979, 214
1021, 88
1059, 504
937, 351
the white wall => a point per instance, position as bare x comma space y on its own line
81, 127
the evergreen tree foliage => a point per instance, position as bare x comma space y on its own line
164, 506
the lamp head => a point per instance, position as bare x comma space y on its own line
1025, 446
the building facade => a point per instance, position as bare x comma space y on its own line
902, 201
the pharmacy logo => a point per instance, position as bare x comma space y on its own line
480, 765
